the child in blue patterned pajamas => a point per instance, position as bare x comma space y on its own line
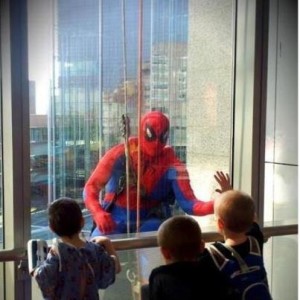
74, 268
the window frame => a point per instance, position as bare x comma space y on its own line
15, 144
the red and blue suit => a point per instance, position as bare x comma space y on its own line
164, 179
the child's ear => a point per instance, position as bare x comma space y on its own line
220, 224
50, 227
166, 253
202, 246
255, 219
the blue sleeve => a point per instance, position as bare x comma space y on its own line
46, 276
105, 272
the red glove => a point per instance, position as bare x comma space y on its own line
104, 221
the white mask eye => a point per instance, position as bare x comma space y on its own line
149, 134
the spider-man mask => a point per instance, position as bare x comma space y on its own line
155, 133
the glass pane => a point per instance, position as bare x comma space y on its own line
84, 61
83, 65
281, 165
278, 264
281, 194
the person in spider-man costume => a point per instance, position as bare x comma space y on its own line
164, 179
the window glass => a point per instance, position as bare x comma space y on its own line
84, 58
281, 149
281, 160
89, 63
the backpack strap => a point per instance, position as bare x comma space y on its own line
217, 256
243, 266
220, 260
55, 248
254, 246
254, 250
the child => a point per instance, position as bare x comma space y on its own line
183, 276
239, 258
74, 268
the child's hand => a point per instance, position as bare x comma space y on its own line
53, 250
102, 240
224, 182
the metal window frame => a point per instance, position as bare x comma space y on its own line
250, 99
149, 240
15, 143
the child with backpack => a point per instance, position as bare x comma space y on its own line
239, 258
183, 276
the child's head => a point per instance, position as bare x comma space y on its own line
65, 217
179, 239
235, 211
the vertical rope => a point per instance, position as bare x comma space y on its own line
124, 55
125, 120
100, 79
139, 106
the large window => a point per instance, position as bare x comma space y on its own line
91, 61
281, 160
84, 59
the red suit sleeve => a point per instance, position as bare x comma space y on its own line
98, 180
202, 208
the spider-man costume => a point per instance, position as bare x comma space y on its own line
164, 178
